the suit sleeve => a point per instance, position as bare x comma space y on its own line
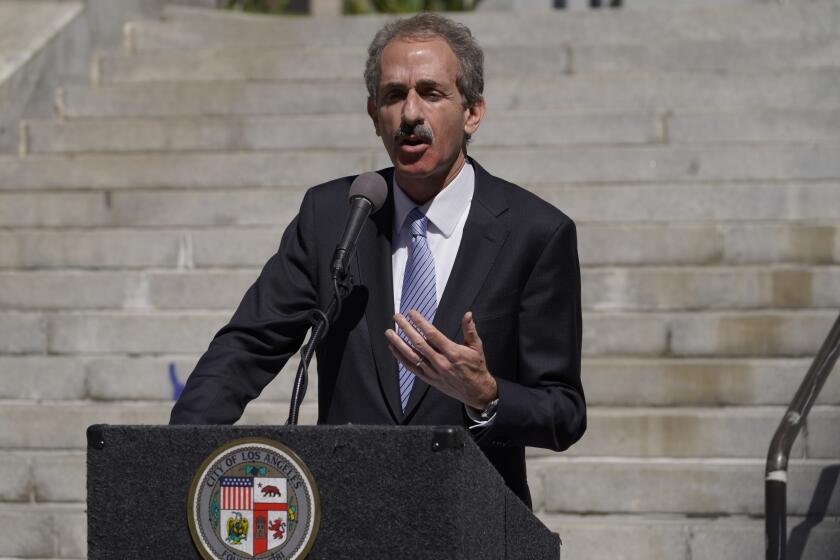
545, 406
267, 328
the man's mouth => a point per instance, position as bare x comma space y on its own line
412, 146
412, 140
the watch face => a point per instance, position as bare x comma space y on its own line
490, 410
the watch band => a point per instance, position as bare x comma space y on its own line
488, 412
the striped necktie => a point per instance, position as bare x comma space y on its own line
418, 289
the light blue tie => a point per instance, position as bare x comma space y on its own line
418, 289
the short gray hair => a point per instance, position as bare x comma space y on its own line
427, 25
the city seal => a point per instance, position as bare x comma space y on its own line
253, 498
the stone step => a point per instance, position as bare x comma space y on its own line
326, 131
701, 432
759, 333
277, 63
200, 170
273, 62
702, 201
620, 381
606, 93
598, 245
765, 333
45, 531
678, 163
697, 487
642, 537
144, 208
739, 432
604, 289
354, 131
714, 55
64, 425
534, 6
704, 244
687, 4
686, 288
138, 248
191, 28
623, 381
590, 164
752, 126
185, 206
128, 378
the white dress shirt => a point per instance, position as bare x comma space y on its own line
447, 213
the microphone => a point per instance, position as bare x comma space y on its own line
367, 195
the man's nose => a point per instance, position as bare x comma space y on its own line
412, 112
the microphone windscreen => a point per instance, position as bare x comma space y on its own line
371, 186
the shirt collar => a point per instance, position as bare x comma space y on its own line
445, 210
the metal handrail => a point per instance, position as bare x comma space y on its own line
775, 480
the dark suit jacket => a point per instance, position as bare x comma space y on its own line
516, 269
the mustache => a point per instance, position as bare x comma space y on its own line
422, 132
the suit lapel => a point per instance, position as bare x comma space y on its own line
484, 235
374, 253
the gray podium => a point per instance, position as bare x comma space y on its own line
385, 492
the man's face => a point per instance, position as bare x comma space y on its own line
419, 114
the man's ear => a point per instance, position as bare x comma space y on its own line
473, 115
374, 115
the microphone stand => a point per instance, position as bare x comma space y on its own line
321, 321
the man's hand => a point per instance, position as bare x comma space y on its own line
453, 369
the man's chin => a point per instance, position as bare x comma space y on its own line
412, 168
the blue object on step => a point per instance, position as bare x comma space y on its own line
177, 386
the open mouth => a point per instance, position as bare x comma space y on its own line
412, 146
412, 141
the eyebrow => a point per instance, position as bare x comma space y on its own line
419, 84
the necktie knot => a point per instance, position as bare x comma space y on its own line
419, 223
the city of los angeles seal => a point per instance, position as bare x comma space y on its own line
253, 498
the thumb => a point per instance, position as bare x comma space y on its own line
471, 337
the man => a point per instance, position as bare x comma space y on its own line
484, 275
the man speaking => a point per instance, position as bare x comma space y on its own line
465, 306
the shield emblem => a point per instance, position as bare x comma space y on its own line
254, 513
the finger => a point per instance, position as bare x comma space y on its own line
419, 367
411, 356
435, 338
406, 326
413, 360
416, 339
471, 337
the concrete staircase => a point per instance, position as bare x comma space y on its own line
698, 150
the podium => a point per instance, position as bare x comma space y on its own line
385, 492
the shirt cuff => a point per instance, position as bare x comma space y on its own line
477, 420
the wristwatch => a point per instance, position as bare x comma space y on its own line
488, 412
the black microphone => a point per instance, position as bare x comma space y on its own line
367, 195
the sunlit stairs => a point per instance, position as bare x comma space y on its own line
697, 150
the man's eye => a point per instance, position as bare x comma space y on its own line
392, 96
